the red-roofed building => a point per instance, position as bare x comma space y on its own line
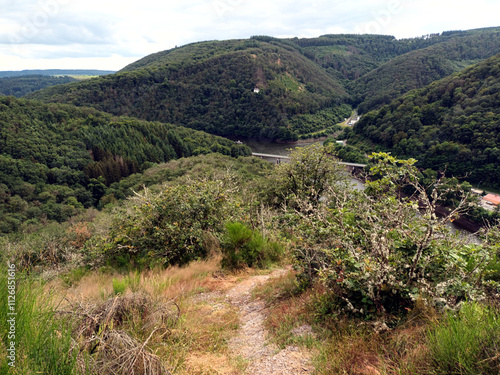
492, 198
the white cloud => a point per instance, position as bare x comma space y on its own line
68, 32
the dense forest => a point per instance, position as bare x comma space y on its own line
452, 124
304, 85
57, 159
23, 85
251, 88
421, 67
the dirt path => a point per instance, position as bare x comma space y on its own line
251, 343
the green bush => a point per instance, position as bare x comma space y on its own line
167, 227
119, 286
376, 256
243, 246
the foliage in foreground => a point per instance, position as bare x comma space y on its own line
467, 342
374, 252
370, 254
42, 341
244, 247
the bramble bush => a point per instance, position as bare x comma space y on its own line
309, 172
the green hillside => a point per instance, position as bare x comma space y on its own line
453, 123
57, 159
305, 85
420, 67
347, 57
211, 86
23, 85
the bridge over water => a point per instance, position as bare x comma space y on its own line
280, 158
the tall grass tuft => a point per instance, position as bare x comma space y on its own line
243, 246
43, 340
467, 342
119, 286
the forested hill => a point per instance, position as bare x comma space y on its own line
420, 67
56, 159
349, 56
453, 123
23, 85
276, 88
212, 86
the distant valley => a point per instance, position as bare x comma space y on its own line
162, 106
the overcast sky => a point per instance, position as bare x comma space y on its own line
109, 34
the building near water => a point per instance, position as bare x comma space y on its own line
492, 199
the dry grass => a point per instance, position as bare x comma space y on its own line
209, 364
180, 281
135, 309
206, 326
174, 319
114, 336
119, 353
169, 283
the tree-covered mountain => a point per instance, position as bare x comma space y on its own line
349, 56
262, 87
23, 85
377, 68
304, 85
451, 124
420, 67
55, 159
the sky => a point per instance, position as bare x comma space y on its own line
110, 34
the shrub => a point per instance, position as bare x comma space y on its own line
308, 174
168, 227
243, 246
377, 256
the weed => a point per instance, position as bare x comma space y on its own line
246, 247
133, 280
